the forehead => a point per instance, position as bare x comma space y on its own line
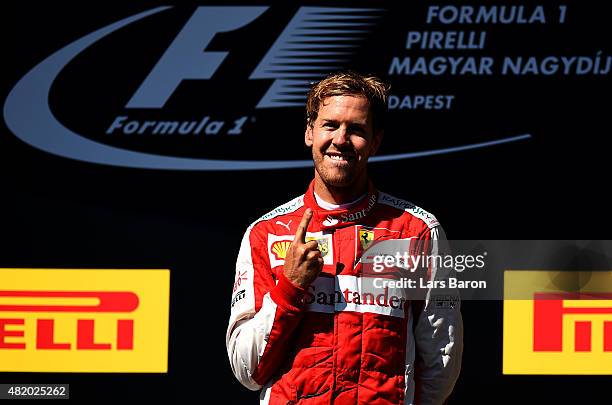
345, 107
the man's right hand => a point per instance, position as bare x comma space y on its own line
303, 261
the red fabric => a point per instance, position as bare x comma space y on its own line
343, 356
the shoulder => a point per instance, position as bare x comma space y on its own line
409, 210
287, 210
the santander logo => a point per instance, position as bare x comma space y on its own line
354, 294
330, 221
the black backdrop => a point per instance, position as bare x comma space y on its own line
58, 212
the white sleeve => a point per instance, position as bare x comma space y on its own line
438, 340
244, 346
264, 314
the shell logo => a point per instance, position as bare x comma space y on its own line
279, 248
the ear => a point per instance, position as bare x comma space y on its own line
376, 140
308, 136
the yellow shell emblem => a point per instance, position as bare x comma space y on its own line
279, 248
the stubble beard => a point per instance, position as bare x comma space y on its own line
336, 177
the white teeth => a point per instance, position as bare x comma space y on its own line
338, 157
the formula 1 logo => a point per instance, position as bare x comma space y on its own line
296, 58
84, 320
314, 42
557, 332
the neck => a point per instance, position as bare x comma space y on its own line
340, 195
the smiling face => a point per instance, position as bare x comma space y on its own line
342, 139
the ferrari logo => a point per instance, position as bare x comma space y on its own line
365, 238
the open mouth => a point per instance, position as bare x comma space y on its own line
340, 158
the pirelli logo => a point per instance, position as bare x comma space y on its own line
550, 310
54, 320
558, 332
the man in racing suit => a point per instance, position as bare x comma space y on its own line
301, 327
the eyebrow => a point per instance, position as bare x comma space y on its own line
351, 124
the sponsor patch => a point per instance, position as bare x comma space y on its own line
354, 294
278, 245
366, 237
60, 320
557, 331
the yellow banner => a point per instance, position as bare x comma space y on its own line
566, 326
60, 320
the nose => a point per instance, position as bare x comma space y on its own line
341, 136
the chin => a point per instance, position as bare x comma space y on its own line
337, 182
336, 178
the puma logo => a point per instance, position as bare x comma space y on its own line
285, 225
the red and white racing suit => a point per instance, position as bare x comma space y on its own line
322, 345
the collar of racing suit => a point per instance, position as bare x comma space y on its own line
341, 217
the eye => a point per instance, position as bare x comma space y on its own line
357, 129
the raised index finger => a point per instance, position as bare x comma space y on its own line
300, 235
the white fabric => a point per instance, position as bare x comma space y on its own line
330, 206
